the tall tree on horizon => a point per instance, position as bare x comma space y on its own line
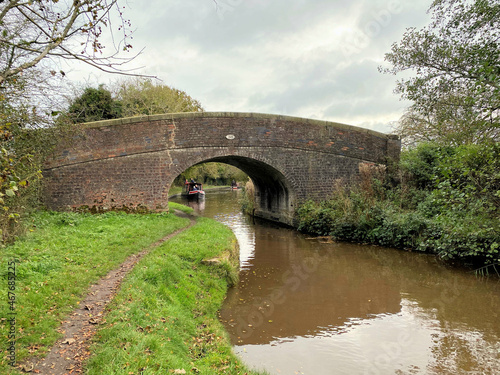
455, 92
143, 96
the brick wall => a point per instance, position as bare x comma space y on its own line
132, 162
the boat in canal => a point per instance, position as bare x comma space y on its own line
193, 190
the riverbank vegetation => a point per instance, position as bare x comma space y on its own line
165, 316
247, 200
172, 292
212, 174
444, 195
440, 199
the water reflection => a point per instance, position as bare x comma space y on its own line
309, 306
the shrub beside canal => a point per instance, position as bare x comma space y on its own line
441, 200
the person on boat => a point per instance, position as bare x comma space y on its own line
193, 181
233, 184
195, 188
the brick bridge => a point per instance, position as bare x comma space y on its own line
132, 162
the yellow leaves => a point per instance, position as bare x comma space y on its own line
10, 193
14, 216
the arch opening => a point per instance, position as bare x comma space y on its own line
211, 174
274, 195
274, 198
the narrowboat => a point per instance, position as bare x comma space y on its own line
193, 190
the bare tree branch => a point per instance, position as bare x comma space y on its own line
37, 30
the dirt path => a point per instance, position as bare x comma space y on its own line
68, 354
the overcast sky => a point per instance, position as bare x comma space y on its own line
308, 58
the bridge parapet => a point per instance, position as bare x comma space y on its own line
128, 136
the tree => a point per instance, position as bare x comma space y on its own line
456, 90
31, 33
212, 174
448, 122
40, 29
94, 105
141, 96
25, 139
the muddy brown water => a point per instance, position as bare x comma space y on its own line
308, 305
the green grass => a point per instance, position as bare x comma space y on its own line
164, 318
180, 207
57, 262
165, 315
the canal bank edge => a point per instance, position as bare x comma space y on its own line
221, 273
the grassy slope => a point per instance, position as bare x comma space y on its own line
165, 316
58, 261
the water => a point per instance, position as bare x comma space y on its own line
312, 306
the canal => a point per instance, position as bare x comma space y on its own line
308, 305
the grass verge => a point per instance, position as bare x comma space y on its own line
180, 207
164, 318
57, 262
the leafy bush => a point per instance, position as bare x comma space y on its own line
419, 165
247, 200
94, 104
447, 203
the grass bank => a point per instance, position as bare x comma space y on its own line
57, 261
165, 316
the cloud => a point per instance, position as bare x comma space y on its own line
310, 58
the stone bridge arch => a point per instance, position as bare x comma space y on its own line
131, 163
275, 193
